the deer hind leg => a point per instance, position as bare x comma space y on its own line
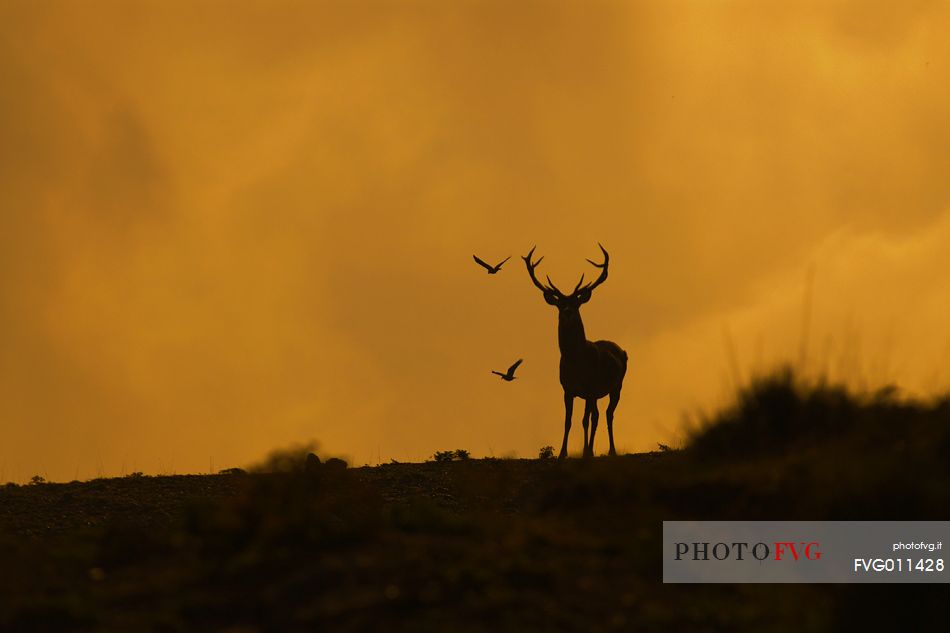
611, 406
586, 424
568, 410
594, 416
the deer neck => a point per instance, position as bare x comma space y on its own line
570, 333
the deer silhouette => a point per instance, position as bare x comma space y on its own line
589, 369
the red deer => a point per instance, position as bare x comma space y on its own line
589, 369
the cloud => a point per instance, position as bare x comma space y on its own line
228, 231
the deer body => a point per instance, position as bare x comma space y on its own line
589, 370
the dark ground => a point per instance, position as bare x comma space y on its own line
473, 545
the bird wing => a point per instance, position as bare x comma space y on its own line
511, 370
502, 262
481, 263
497, 372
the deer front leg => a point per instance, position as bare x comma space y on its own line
568, 410
586, 424
594, 416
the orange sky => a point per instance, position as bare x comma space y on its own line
227, 227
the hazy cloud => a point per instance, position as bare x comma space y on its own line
226, 227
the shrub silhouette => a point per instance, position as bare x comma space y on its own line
782, 412
451, 456
291, 459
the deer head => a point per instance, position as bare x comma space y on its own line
567, 303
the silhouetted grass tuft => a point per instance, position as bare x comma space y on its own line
782, 412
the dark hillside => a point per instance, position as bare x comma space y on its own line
476, 544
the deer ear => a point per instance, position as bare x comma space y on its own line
550, 298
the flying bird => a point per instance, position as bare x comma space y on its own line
491, 269
511, 371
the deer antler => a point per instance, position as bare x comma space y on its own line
603, 272
578, 286
551, 288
